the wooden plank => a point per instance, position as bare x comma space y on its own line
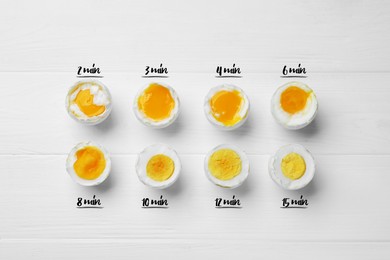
347, 202
329, 36
168, 249
353, 116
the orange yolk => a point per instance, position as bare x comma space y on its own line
90, 163
156, 102
293, 99
84, 101
225, 106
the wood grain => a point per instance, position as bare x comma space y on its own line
330, 36
343, 45
346, 203
353, 115
97, 249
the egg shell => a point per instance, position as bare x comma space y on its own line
275, 171
236, 181
244, 111
72, 159
150, 122
298, 120
101, 94
146, 155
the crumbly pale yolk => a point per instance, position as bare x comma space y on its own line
293, 166
84, 101
156, 102
293, 99
225, 164
225, 106
90, 163
160, 167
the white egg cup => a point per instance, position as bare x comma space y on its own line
150, 122
300, 119
243, 112
276, 174
85, 120
237, 180
72, 159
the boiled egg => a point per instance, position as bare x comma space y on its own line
294, 105
292, 167
158, 166
226, 106
88, 164
88, 102
157, 105
226, 166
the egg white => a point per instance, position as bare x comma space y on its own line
101, 96
243, 112
72, 159
146, 155
297, 120
237, 180
150, 122
275, 170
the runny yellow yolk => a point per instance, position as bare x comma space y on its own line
293, 99
90, 163
293, 166
84, 101
225, 164
156, 102
225, 106
160, 167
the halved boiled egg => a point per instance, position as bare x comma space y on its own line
226, 106
158, 166
226, 166
294, 105
88, 102
88, 164
157, 105
292, 167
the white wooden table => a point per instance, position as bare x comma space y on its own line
344, 45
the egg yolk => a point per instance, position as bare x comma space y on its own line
84, 101
90, 163
293, 99
225, 106
160, 167
225, 164
156, 102
293, 166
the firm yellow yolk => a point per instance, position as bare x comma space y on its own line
293, 99
84, 101
225, 106
160, 167
90, 163
225, 164
293, 166
156, 102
